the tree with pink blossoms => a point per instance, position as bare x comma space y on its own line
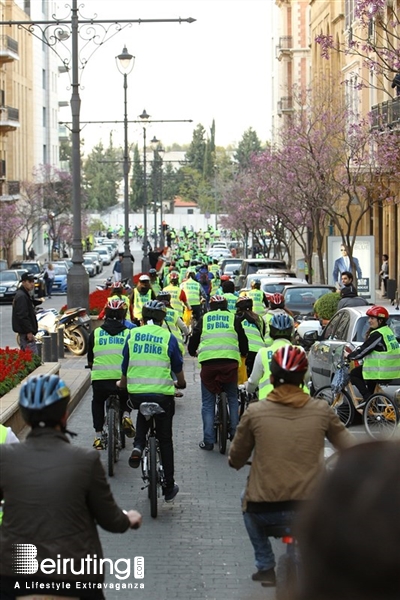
10, 227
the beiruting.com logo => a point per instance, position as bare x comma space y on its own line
24, 562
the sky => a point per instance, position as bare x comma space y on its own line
215, 68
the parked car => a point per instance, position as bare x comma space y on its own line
271, 281
66, 262
278, 273
300, 299
3, 264
219, 253
9, 282
229, 270
60, 278
348, 325
105, 254
90, 266
98, 260
232, 262
34, 267
252, 265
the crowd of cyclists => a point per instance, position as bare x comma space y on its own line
187, 305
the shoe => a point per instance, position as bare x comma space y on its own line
178, 394
268, 577
206, 446
171, 492
98, 444
128, 428
135, 458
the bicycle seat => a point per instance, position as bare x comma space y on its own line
149, 409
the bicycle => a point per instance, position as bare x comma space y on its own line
152, 468
379, 412
112, 435
245, 399
288, 565
221, 421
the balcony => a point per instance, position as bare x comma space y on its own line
284, 48
386, 115
9, 119
9, 191
285, 105
8, 49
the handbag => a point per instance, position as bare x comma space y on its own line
46, 275
341, 377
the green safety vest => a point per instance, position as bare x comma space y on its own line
383, 365
149, 368
107, 351
265, 387
192, 291
175, 292
218, 338
155, 286
258, 305
3, 434
254, 337
139, 300
232, 299
170, 323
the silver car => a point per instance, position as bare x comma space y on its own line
348, 325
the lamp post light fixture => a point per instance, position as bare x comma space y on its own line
145, 261
125, 63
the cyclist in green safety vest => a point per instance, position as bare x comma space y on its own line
380, 353
7, 436
260, 302
281, 331
178, 296
218, 340
173, 321
140, 296
228, 292
155, 283
254, 328
118, 292
150, 354
277, 307
194, 293
104, 359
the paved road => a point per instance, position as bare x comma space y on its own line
197, 548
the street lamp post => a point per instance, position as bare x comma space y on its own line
161, 152
125, 63
145, 260
154, 144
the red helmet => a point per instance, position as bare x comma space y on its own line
378, 311
277, 300
116, 304
173, 276
291, 358
225, 278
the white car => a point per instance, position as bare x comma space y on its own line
272, 284
105, 254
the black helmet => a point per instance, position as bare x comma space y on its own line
281, 326
256, 283
244, 303
164, 297
152, 271
43, 400
154, 310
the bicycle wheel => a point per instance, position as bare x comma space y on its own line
341, 403
285, 577
242, 403
153, 476
112, 440
222, 422
380, 417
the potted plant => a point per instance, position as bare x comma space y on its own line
326, 306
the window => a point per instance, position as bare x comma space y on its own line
190, 211
349, 13
44, 116
331, 327
44, 153
44, 79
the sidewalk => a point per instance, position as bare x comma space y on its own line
197, 548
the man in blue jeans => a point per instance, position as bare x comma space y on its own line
218, 340
285, 433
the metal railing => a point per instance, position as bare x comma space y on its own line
8, 44
285, 104
386, 114
9, 188
7, 114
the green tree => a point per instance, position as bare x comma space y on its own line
197, 149
247, 147
103, 172
137, 181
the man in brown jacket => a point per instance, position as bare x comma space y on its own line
286, 434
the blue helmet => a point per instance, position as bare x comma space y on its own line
43, 400
154, 310
281, 325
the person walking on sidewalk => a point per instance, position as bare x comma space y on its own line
55, 495
23, 316
49, 274
384, 274
150, 354
286, 436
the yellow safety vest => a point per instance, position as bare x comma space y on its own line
107, 351
175, 292
139, 300
218, 338
170, 323
265, 387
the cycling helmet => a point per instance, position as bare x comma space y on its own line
289, 365
173, 276
154, 310
116, 304
116, 309
281, 326
43, 400
117, 285
244, 303
164, 297
378, 311
152, 271
225, 278
218, 302
256, 283
277, 300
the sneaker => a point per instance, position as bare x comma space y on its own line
128, 428
268, 577
135, 458
98, 444
171, 492
206, 446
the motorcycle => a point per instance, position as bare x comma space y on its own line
76, 323
107, 284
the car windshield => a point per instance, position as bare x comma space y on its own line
7, 276
60, 269
31, 268
230, 268
362, 327
273, 288
304, 298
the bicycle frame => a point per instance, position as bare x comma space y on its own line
152, 468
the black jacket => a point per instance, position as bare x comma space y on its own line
55, 494
23, 312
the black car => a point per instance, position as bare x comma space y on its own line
34, 267
300, 299
9, 282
